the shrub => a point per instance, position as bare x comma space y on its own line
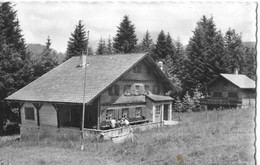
188, 103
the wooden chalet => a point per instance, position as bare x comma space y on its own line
230, 90
118, 86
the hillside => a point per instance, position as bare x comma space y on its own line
209, 137
249, 44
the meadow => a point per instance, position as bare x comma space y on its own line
208, 137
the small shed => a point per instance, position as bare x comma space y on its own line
230, 90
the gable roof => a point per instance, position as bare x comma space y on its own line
242, 81
64, 84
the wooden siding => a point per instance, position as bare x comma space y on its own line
48, 115
144, 78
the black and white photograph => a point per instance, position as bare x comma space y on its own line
128, 82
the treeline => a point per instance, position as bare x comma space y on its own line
18, 66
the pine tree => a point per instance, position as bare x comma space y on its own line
109, 46
48, 43
205, 54
77, 44
235, 51
160, 49
178, 58
101, 49
147, 43
15, 64
250, 63
178, 105
170, 48
187, 104
46, 61
125, 39
196, 100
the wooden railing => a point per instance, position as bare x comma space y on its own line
221, 101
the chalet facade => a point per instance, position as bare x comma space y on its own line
230, 90
120, 86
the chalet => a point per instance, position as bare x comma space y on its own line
120, 86
230, 90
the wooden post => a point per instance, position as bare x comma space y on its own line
20, 107
98, 114
38, 107
58, 114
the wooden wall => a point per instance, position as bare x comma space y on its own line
48, 115
145, 77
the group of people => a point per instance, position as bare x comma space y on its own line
119, 123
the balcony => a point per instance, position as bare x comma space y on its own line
221, 101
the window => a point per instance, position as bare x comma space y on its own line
232, 94
109, 114
217, 94
29, 113
147, 89
127, 89
125, 113
158, 110
138, 112
137, 69
114, 90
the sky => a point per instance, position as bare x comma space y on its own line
58, 19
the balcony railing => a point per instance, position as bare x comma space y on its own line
221, 101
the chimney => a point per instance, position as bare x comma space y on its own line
82, 60
236, 71
160, 64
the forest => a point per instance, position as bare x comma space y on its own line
208, 53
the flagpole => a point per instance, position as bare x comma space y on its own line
84, 93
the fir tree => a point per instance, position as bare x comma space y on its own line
196, 100
178, 105
15, 64
205, 54
160, 49
250, 63
46, 61
48, 43
178, 58
147, 43
101, 49
170, 48
187, 104
125, 40
235, 51
109, 46
77, 44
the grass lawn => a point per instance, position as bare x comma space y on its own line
213, 137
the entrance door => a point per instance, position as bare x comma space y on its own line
165, 112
